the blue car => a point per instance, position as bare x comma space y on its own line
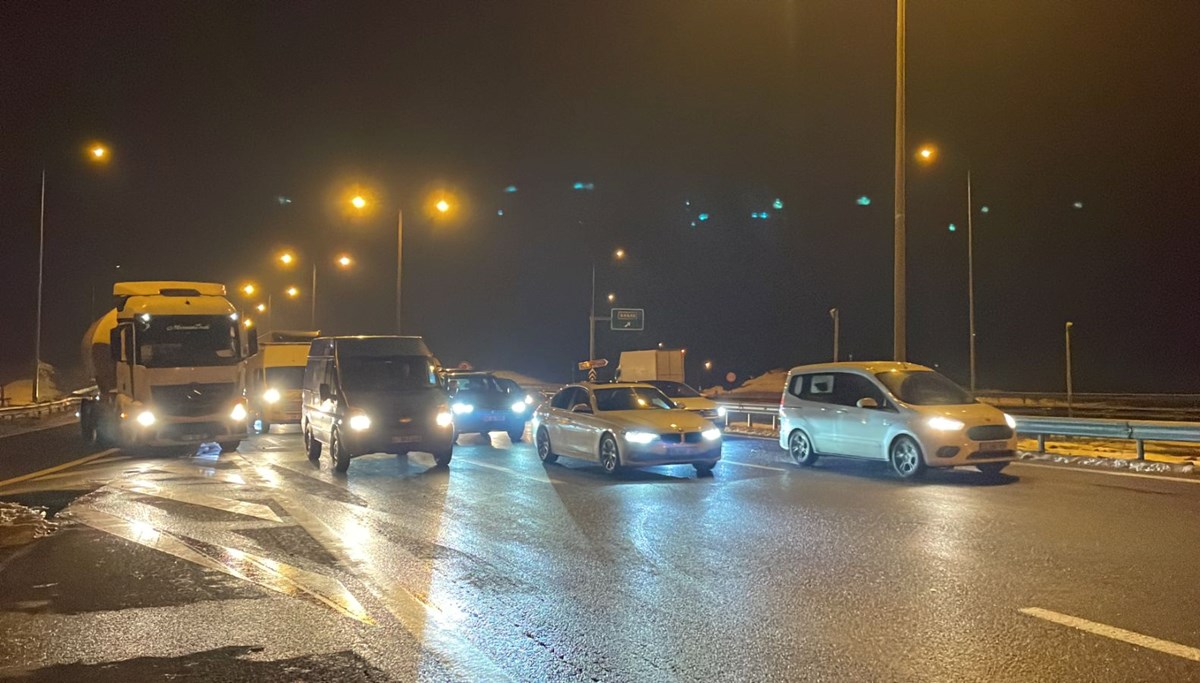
480, 404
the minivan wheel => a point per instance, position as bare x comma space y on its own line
341, 457
311, 445
610, 456
442, 458
544, 451
801, 449
906, 458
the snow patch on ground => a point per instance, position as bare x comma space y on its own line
20, 524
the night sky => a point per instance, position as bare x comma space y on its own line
215, 110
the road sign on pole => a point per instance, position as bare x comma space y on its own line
628, 319
593, 364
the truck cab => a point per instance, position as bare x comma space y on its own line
275, 377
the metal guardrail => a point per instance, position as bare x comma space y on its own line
44, 408
1138, 431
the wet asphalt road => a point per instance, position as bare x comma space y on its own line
261, 566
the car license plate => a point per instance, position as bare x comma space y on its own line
408, 438
493, 418
989, 446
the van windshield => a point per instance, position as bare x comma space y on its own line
175, 341
385, 373
924, 388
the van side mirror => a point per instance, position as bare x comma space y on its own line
581, 408
324, 392
868, 403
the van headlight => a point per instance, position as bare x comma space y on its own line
145, 418
462, 408
1010, 421
519, 407
271, 396
944, 424
711, 434
444, 418
640, 437
238, 413
359, 422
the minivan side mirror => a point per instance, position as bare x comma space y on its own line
324, 392
868, 403
581, 408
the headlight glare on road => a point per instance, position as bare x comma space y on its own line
462, 408
944, 424
271, 396
359, 422
721, 411
1010, 421
640, 437
444, 419
711, 434
238, 413
519, 407
145, 418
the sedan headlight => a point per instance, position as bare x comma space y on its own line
462, 408
145, 418
944, 424
529, 399
1010, 421
271, 396
444, 418
711, 434
640, 437
519, 407
238, 413
359, 422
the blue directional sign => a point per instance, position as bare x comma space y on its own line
628, 319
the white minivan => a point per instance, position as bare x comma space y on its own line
903, 413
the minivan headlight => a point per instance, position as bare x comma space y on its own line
238, 413
1010, 421
711, 434
359, 422
640, 437
444, 418
145, 418
944, 424
271, 395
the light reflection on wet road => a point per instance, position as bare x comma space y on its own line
260, 564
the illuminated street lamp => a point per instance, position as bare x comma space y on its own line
98, 152
292, 292
708, 365
286, 258
358, 202
261, 308
345, 261
442, 206
611, 297
249, 289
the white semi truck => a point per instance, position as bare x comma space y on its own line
170, 367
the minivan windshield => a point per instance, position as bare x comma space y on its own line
675, 389
924, 388
631, 398
385, 373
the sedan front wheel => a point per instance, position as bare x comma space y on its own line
610, 455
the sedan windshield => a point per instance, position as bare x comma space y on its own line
675, 389
924, 388
631, 398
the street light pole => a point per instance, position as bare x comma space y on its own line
971, 278
592, 318
837, 332
312, 325
1070, 388
399, 266
37, 333
900, 324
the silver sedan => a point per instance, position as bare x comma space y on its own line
624, 425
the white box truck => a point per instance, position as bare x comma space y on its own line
640, 366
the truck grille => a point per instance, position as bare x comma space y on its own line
191, 400
990, 433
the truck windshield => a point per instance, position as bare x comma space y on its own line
631, 398
285, 377
385, 373
173, 341
924, 388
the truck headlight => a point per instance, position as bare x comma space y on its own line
359, 422
238, 413
640, 437
145, 418
711, 434
1010, 421
271, 396
944, 424
519, 407
444, 418
462, 408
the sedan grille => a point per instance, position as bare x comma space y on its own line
990, 433
676, 437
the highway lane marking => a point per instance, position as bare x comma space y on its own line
1131, 637
1139, 475
58, 468
750, 464
547, 480
174, 493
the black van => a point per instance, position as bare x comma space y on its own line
374, 395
